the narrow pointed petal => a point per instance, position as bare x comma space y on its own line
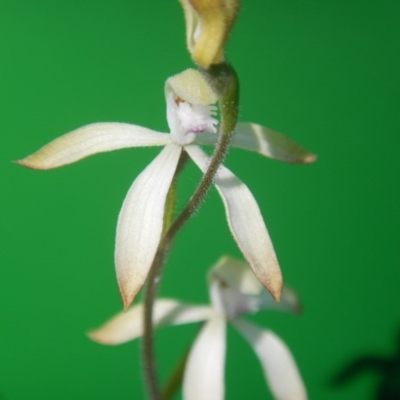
271, 144
265, 141
92, 139
204, 373
126, 326
279, 367
140, 222
246, 223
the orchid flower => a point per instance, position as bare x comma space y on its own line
234, 291
191, 120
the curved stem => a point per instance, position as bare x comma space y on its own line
147, 344
151, 290
223, 79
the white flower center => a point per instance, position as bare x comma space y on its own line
185, 120
232, 303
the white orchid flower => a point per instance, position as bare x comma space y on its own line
190, 115
234, 291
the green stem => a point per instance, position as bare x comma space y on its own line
223, 79
151, 290
147, 343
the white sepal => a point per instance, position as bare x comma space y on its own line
264, 141
140, 222
257, 138
279, 367
204, 372
92, 139
126, 326
245, 222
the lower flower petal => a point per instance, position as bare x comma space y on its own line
126, 326
140, 222
92, 139
246, 223
279, 367
204, 372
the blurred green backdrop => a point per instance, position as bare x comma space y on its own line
326, 73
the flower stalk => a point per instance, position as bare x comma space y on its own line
152, 286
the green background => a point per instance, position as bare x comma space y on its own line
326, 73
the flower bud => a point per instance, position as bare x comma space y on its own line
208, 24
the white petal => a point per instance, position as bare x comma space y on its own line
140, 222
126, 326
269, 143
204, 372
92, 139
265, 141
246, 223
279, 367
207, 138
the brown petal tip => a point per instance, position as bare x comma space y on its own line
275, 288
310, 158
25, 162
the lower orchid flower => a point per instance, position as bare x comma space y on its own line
190, 115
234, 291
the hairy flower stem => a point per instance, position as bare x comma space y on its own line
151, 289
147, 343
223, 79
